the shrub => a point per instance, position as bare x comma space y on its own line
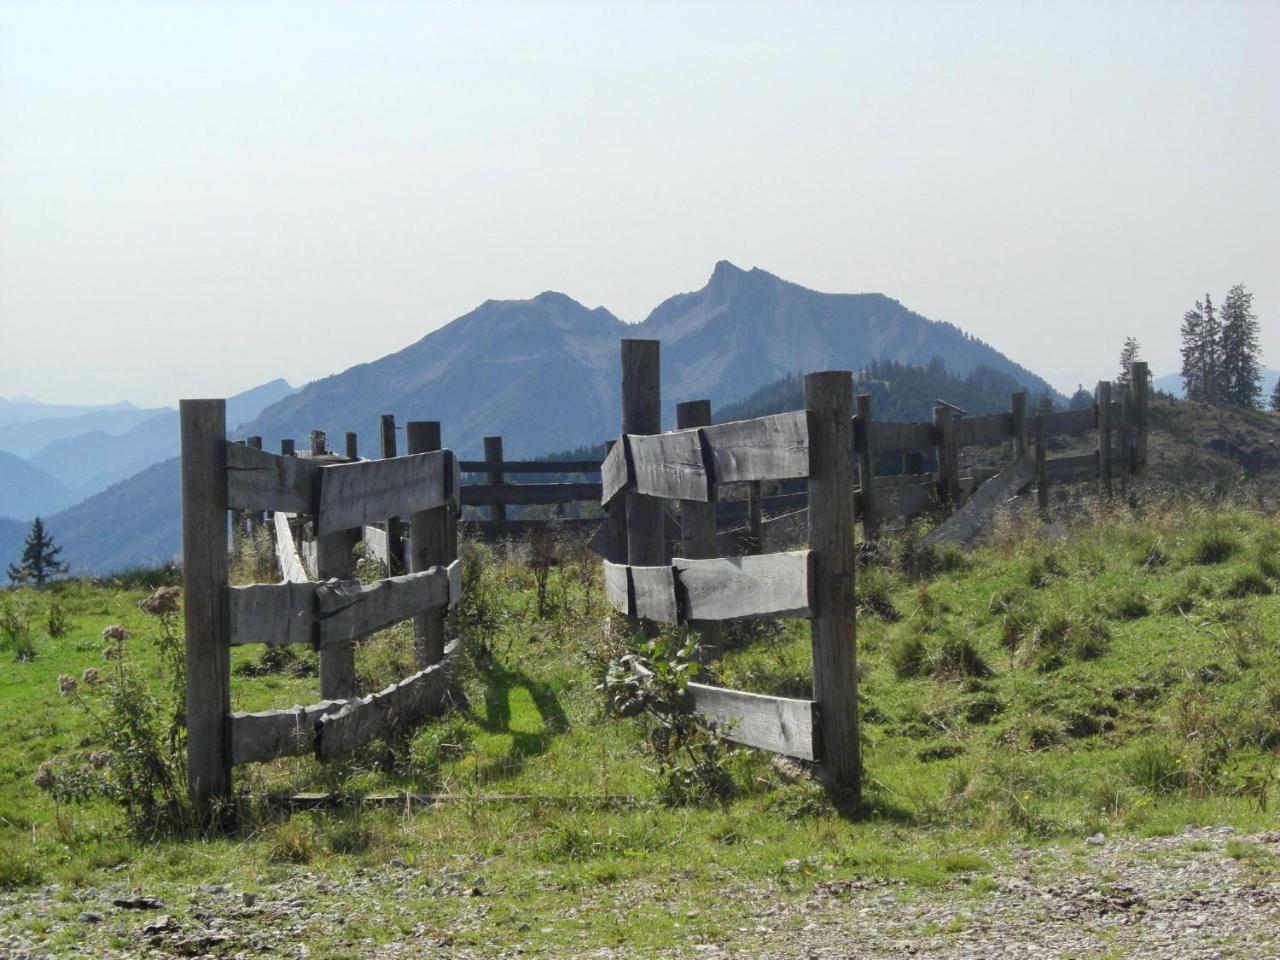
946, 657
1155, 767
907, 656
874, 598
1129, 605
57, 623
1043, 569
1248, 584
1214, 545
15, 629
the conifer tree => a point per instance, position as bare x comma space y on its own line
1129, 355
1082, 399
1275, 397
1200, 333
1240, 380
39, 558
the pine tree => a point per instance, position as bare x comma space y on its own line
1128, 356
1082, 399
1200, 333
1275, 397
39, 558
1241, 374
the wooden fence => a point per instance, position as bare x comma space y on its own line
336, 497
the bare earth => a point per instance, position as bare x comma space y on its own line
1170, 897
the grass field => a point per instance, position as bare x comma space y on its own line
1116, 672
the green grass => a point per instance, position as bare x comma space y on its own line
1053, 690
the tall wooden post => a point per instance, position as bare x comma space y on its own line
205, 612
755, 516
698, 530
494, 474
944, 430
1042, 473
828, 400
1140, 388
1018, 408
286, 447
642, 414
1102, 402
387, 450
255, 516
866, 467
615, 523
317, 443
352, 450
335, 560
1125, 441
428, 531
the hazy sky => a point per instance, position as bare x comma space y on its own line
198, 197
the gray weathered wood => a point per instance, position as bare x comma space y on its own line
335, 559
494, 474
1041, 455
962, 525
670, 465
349, 610
391, 710
375, 543
257, 737
1102, 400
985, 431
902, 436
776, 724
257, 480
352, 448
642, 414
726, 588
1123, 417
1018, 416
766, 448
1062, 422
205, 499
480, 494
617, 587
292, 569
394, 555
908, 500
353, 494
286, 447
614, 475
737, 511
698, 530
1140, 390
429, 532
1072, 469
653, 593
864, 443
944, 428
317, 443
277, 614
828, 402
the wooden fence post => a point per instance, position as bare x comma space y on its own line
1125, 441
286, 447
335, 560
494, 475
205, 611
1042, 474
1102, 403
353, 451
317, 443
755, 516
698, 530
866, 467
828, 400
1018, 410
642, 414
387, 450
428, 531
615, 523
944, 430
255, 516
1140, 388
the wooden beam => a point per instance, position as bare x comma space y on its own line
257, 480
777, 724
1071, 469
642, 415
698, 530
865, 445
766, 448
394, 556
670, 465
962, 525
1042, 473
349, 610
1074, 422
726, 588
205, 499
828, 402
352, 448
353, 494
1018, 407
292, 569
1102, 399
985, 431
480, 494
615, 475
902, 437
494, 475
530, 466
257, 737
277, 614
1140, 389
428, 532
335, 559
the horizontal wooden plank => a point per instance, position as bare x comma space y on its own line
257, 480
366, 491
276, 614
398, 707
1071, 469
965, 522
257, 737
523, 494
292, 569
615, 473
1070, 421
897, 436
510, 467
725, 588
670, 465
767, 448
348, 610
904, 500
778, 724
983, 431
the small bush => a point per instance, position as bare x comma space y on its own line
907, 656
1215, 545
1130, 605
1251, 583
1043, 570
57, 623
15, 630
948, 657
1155, 767
290, 843
17, 871
874, 597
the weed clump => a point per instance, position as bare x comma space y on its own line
1155, 767
1215, 545
945, 657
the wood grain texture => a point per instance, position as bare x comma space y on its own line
396, 708
355, 494
617, 587
777, 724
393, 556
614, 474
865, 446
257, 737
495, 475
965, 522
653, 594
766, 448
349, 610
523, 494
698, 531
986, 430
726, 588
292, 568
642, 414
257, 480
429, 533
375, 543
276, 614
1062, 422
670, 465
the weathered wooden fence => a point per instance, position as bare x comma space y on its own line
337, 498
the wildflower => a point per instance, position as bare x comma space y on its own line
164, 600
90, 677
115, 632
111, 653
47, 777
66, 684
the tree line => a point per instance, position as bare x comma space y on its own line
1221, 358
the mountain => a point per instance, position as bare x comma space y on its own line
544, 373
26, 491
1172, 384
26, 437
90, 462
24, 409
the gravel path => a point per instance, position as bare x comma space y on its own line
1205, 893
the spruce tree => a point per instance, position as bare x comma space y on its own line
1240, 381
1200, 367
39, 558
1128, 356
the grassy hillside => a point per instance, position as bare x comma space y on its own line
1118, 674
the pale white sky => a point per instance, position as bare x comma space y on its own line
198, 197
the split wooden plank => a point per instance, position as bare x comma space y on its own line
725, 588
292, 569
617, 587
397, 707
348, 610
277, 614
966, 521
478, 494
766, 448
1070, 421
355, 494
777, 724
985, 431
257, 480
653, 592
670, 465
257, 737
614, 472
896, 436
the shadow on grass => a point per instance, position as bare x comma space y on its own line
500, 682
